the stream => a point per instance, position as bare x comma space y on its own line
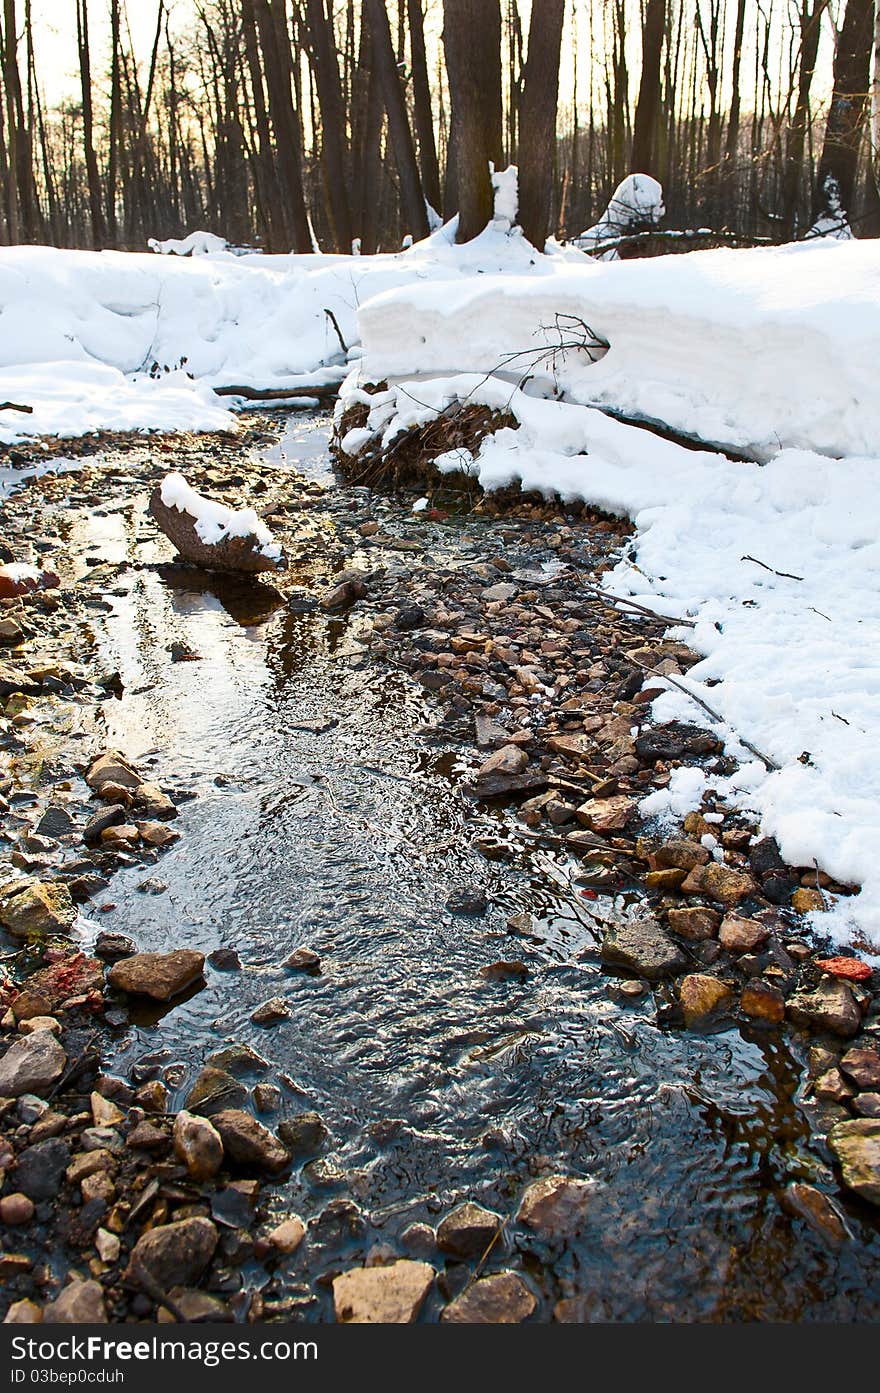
329, 813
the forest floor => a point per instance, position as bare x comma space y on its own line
355, 983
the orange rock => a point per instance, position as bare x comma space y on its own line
850, 969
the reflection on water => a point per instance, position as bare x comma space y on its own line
324, 819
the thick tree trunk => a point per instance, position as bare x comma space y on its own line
411, 195
537, 126
810, 20
326, 72
96, 203
470, 28
10, 85
275, 45
644, 147
265, 175
422, 108
846, 115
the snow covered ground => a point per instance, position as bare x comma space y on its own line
770, 353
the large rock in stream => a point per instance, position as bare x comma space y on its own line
158, 975
212, 536
644, 947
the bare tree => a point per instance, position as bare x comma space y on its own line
471, 31
838, 165
645, 133
537, 125
411, 195
326, 70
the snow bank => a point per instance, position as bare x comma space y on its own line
227, 320
213, 521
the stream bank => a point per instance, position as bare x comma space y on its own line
459, 1037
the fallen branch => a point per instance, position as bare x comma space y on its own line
786, 575
710, 710
612, 601
335, 322
326, 392
16, 406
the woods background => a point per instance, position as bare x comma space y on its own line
288, 123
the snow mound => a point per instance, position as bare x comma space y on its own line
196, 244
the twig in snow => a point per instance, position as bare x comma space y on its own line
16, 406
786, 575
612, 601
335, 322
820, 614
710, 710
818, 886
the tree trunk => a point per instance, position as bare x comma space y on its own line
411, 195
537, 125
323, 53
266, 176
470, 28
422, 109
846, 115
96, 205
810, 21
644, 146
10, 84
732, 139
275, 45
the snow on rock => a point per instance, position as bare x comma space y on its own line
196, 244
635, 206
211, 535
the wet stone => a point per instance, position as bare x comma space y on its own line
303, 1134
161, 976
816, 1209
111, 947
31, 1064
391, 1295
555, 1206
40, 1168
863, 1067
500, 1299
248, 1143
468, 1230
856, 1145
831, 1006
644, 948
214, 1090
176, 1253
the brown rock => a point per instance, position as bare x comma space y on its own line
391, 1295
720, 883
510, 759
468, 1230
856, 1145
287, 1236
80, 1303
228, 554
16, 1209
24, 1312
173, 1254
556, 1205
606, 814
501, 1299
197, 1144
247, 1142
863, 1067
157, 975
696, 924
806, 1202
762, 1002
700, 995
740, 935
36, 907
112, 767
831, 1006
682, 854
31, 1064
642, 946
805, 901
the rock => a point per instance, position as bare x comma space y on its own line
214, 1090
287, 1236
55, 822
831, 1006
392, 1295
124, 837
468, 1230
86, 1163
173, 1254
112, 816
675, 740
224, 960
467, 901
112, 767
419, 1240
720, 883
856, 1145
761, 1001
152, 1096
806, 1202
238, 1059
510, 759
847, 969
247, 1142
303, 1134
41, 1168
36, 907
555, 1206
154, 802
16, 1209
157, 975
196, 1307
275, 1009
867, 1104
24, 1312
303, 960
104, 1112
35, 1023
805, 900
107, 1245
344, 594
503, 591
682, 854
642, 946
665, 881
250, 552
832, 1087
489, 733
695, 924
146, 1136
493, 786
197, 1144
110, 947
740, 935
80, 1303
74, 975
606, 814
863, 1067
505, 970
500, 1299
31, 1065
700, 995
14, 1264
156, 834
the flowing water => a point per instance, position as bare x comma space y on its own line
328, 814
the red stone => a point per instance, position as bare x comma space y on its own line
20, 580
850, 969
